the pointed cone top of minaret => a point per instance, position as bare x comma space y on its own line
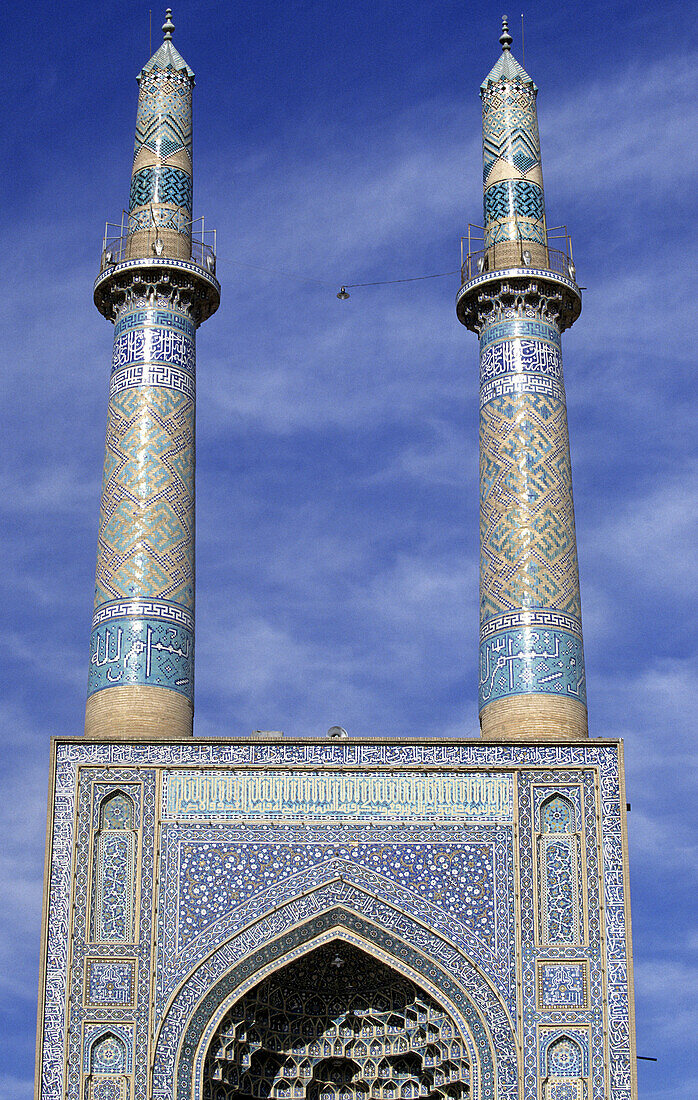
507, 67
167, 57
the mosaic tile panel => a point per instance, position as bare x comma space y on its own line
560, 898
564, 1052
144, 592
399, 921
215, 876
527, 536
107, 1048
110, 982
161, 185
107, 1088
115, 865
562, 985
514, 210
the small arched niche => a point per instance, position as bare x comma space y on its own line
565, 1068
114, 870
302, 1023
560, 916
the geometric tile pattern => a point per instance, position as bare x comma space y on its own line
530, 611
564, 1052
515, 229
110, 982
410, 893
509, 130
527, 536
514, 198
108, 1048
145, 548
161, 184
163, 122
562, 985
162, 158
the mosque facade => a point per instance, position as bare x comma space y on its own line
333, 918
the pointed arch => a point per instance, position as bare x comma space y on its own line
557, 815
564, 1066
399, 940
107, 1054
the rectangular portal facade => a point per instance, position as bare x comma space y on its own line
184, 877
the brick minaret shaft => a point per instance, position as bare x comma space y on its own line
141, 677
519, 295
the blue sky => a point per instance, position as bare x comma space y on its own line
337, 441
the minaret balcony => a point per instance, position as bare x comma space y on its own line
518, 269
145, 251
506, 255
117, 243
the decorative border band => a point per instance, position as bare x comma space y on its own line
151, 374
518, 326
143, 651
512, 620
522, 383
531, 662
152, 609
158, 318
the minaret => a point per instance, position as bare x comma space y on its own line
519, 295
157, 285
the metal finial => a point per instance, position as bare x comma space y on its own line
505, 38
168, 26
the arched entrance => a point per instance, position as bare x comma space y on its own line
337, 1024
211, 989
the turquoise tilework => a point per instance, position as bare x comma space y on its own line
531, 661
530, 612
163, 123
514, 198
144, 594
161, 184
510, 129
142, 651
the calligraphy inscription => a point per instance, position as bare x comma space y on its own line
426, 796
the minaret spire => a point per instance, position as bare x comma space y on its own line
519, 294
157, 285
505, 38
168, 26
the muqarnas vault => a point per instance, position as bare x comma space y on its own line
335, 919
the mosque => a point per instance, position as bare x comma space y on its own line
334, 918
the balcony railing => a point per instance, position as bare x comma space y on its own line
152, 235
478, 260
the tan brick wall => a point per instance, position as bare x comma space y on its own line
534, 717
124, 713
